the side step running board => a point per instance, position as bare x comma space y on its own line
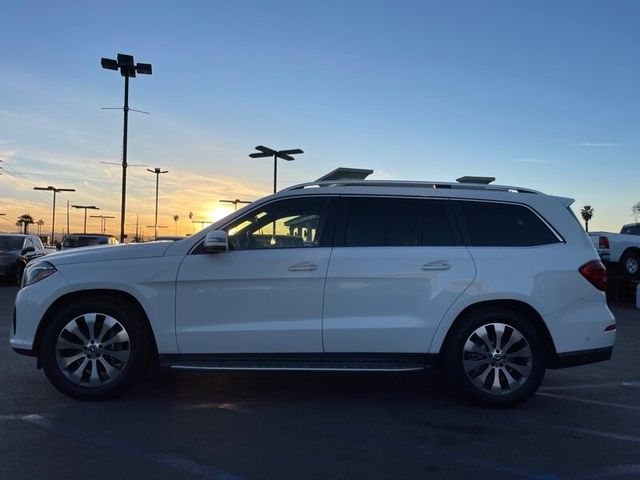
296, 368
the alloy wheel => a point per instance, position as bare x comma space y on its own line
92, 350
497, 358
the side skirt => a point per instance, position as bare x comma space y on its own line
320, 362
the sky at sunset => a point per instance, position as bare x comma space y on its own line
543, 94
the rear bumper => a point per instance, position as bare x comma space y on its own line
24, 351
582, 357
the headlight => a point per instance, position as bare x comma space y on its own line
36, 272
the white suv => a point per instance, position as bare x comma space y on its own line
493, 283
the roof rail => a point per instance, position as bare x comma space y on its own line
410, 184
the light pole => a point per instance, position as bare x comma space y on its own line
128, 69
55, 191
235, 202
103, 222
201, 222
85, 207
276, 154
157, 172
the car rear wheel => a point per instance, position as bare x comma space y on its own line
496, 357
93, 350
631, 264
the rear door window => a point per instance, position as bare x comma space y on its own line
395, 222
493, 224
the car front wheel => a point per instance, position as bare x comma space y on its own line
496, 357
92, 350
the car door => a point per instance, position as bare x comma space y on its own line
397, 266
265, 293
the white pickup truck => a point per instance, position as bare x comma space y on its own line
622, 248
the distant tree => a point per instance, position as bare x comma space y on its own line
191, 220
24, 221
635, 210
587, 214
175, 219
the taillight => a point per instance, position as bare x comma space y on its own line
603, 242
595, 272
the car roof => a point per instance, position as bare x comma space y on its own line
89, 235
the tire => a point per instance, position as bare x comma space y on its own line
473, 359
630, 263
94, 349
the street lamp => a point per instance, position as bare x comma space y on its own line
201, 222
157, 172
276, 154
55, 191
103, 222
128, 69
86, 207
235, 202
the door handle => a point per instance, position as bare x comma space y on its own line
437, 265
303, 267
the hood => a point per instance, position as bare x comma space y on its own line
108, 253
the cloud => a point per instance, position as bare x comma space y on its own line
597, 144
532, 160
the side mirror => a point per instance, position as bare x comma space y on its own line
28, 250
58, 246
216, 242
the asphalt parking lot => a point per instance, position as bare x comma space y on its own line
583, 424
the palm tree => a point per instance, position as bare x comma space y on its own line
24, 221
191, 219
175, 219
587, 214
40, 223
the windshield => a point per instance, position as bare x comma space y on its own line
75, 242
11, 243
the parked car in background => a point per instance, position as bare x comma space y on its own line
493, 283
169, 238
16, 251
77, 240
621, 248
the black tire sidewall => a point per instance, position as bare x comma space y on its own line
454, 363
128, 317
626, 257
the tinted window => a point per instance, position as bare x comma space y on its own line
291, 223
631, 230
75, 241
396, 222
11, 243
501, 224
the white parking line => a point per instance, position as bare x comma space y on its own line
596, 433
12, 417
591, 402
591, 385
219, 406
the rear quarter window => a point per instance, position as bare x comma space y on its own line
492, 224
